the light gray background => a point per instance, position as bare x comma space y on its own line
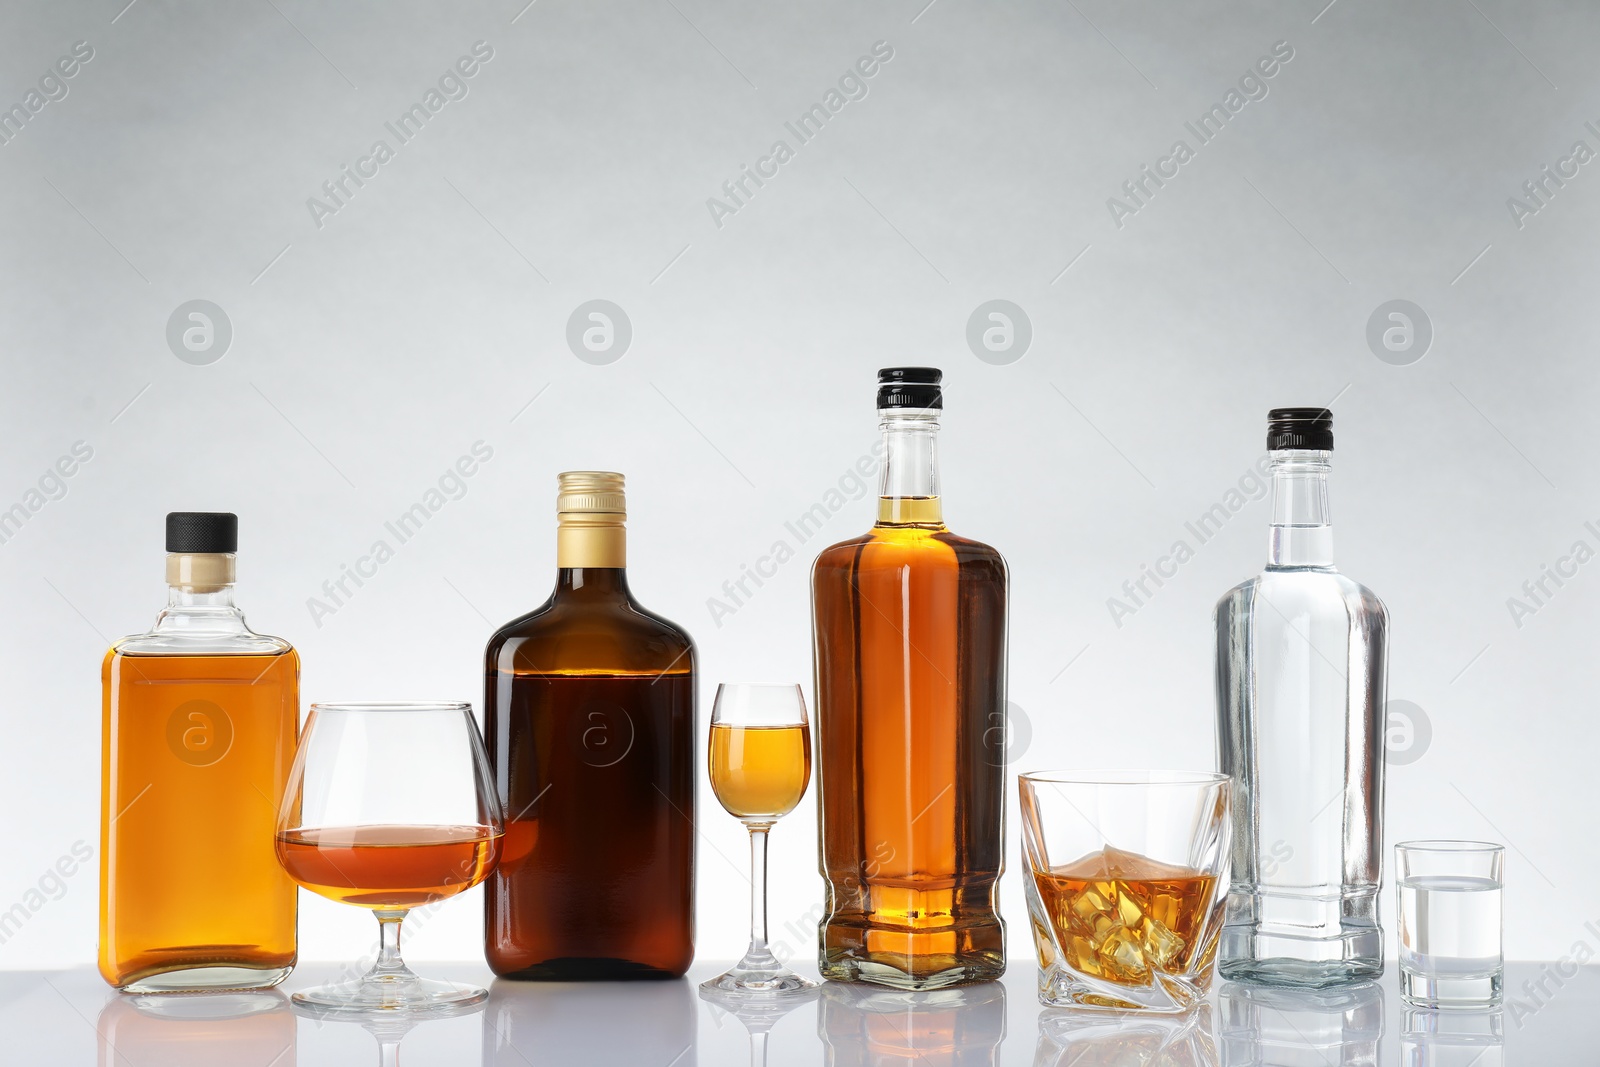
431, 313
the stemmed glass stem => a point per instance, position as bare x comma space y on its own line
758, 953
389, 966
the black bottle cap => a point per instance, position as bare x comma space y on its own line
910, 387
1310, 428
202, 531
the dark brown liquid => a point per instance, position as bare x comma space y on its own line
910, 644
590, 724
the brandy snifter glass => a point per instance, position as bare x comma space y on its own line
760, 763
389, 808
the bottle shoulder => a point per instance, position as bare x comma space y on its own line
1304, 585
200, 643
898, 541
617, 635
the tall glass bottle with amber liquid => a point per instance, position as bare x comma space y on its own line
200, 721
590, 722
910, 630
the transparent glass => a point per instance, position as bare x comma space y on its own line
1125, 889
1450, 922
389, 807
760, 763
1301, 669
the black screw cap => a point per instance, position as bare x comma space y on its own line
910, 387
202, 531
1310, 428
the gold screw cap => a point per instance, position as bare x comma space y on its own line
591, 493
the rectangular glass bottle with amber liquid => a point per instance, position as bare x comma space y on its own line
200, 721
910, 632
589, 706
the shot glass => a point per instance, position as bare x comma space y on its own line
1127, 874
1450, 923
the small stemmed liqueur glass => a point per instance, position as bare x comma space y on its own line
760, 763
389, 808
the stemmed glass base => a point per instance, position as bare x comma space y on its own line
388, 993
390, 987
759, 974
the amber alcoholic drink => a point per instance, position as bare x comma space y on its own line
590, 724
200, 719
388, 867
759, 772
910, 640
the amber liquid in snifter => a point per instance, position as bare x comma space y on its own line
196, 750
910, 651
388, 867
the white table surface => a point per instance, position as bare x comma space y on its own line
71, 1017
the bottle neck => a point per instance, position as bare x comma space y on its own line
909, 494
1302, 532
200, 595
591, 541
591, 555
605, 583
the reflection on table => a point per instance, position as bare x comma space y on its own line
388, 1029
1430, 1038
1072, 1038
869, 1026
1278, 1027
758, 1015
626, 1024
239, 1029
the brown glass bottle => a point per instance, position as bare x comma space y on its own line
590, 720
910, 631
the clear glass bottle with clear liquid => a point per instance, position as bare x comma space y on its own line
1301, 670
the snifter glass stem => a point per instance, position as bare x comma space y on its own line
389, 966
